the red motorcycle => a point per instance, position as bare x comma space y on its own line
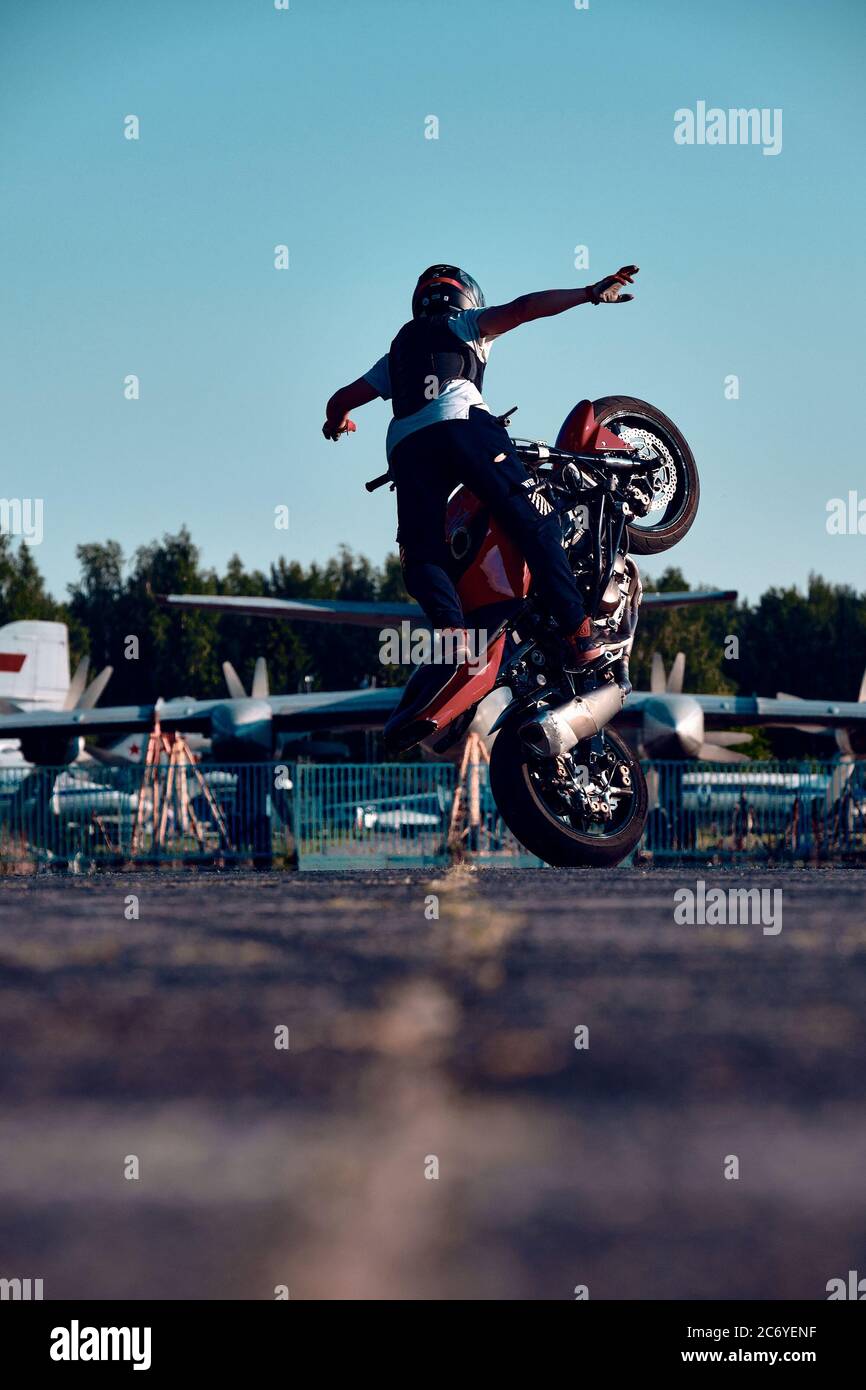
622, 481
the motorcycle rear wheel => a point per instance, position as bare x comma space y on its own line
544, 824
675, 483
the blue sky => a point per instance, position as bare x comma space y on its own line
306, 127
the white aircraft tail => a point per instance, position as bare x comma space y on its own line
34, 665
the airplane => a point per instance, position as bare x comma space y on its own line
48, 716
663, 722
34, 678
34, 670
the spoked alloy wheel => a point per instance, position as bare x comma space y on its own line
587, 808
671, 474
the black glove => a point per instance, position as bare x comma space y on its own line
607, 291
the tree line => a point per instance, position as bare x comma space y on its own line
811, 644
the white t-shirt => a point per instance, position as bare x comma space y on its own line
454, 398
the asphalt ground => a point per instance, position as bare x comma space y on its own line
417, 1043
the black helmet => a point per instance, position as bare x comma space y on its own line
445, 289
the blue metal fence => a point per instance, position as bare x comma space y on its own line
368, 815
756, 810
90, 814
364, 814
409, 813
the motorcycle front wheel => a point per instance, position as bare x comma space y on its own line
671, 472
587, 809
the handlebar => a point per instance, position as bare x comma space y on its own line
533, 452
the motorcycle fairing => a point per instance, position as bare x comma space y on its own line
466, 527
497, 571
495, 578
416, 717
580, 433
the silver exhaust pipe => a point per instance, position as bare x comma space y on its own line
555, 731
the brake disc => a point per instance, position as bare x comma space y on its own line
663, 478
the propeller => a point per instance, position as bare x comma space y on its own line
719, 748
801, 728
77, 684
718, 753
677, 674
234, 684
80, 695
673, 683
242, 729
261, 687
841, 774
844, 741
92, 695
724, 739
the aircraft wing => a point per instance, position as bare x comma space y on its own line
369, 709
683, 599
324, 610
77, 722
381, 613
336, 709
340, 709
722, 711
726, 711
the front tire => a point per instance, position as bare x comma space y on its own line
672, 471
526, 789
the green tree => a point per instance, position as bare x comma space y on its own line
22, 588
699, 631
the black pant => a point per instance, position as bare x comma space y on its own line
427, 466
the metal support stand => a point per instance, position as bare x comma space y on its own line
464, 829
181, 766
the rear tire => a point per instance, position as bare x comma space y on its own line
627, 412
545, 834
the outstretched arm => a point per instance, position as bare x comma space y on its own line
348, 398
501, 318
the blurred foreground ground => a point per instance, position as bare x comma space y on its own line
412, 1037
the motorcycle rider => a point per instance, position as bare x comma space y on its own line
443, 434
